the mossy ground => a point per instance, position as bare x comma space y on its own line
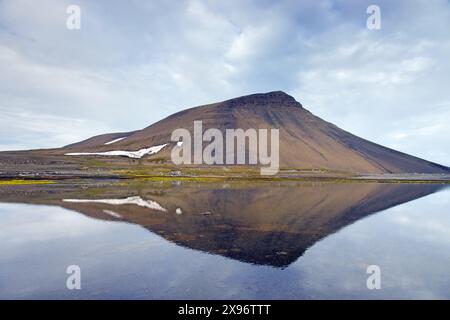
24, 182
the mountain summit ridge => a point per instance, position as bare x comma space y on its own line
279, 98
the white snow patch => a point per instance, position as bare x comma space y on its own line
178, 211
115, 140
131, 154
130, 200
113, 214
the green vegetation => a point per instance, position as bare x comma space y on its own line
95, 163
24, 182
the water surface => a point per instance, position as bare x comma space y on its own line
225, 241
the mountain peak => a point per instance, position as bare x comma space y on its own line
305, 141
277, 98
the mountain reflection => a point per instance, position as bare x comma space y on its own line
260, 223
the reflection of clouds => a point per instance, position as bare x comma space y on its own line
401, 219
437, 229
427, 223
19, 224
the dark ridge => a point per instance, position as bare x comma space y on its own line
274, 98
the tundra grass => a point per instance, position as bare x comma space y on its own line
257, 178
24, 182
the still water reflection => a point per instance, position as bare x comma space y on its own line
225, 241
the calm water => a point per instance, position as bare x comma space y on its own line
283, 241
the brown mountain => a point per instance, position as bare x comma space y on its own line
306, 141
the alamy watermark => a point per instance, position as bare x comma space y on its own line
73, 21
374, 20
374, 280
73, 281
234, 149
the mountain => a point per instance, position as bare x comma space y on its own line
306, 141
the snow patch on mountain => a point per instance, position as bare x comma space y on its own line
115, 140
131, 154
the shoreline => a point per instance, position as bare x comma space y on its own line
79, 177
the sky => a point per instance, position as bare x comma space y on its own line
133, 63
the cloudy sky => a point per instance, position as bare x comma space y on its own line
135, 62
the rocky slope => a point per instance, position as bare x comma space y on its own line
306, 141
